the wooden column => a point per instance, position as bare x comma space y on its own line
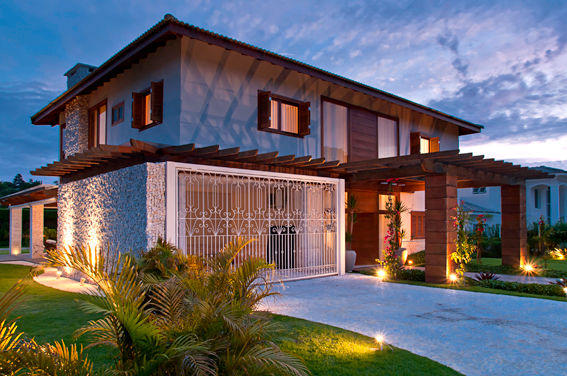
15, 231
36, 231
514, 231
440, 234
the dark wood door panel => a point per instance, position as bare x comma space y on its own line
365, 238
363, 135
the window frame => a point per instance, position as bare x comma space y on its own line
119, 120
290, 102
96, 142
416, 233
144, 93
537, 199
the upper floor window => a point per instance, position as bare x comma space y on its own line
97, 125
117, 114
479, 190
420, 144
537, 199
283, 115
147, 107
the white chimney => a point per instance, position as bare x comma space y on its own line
77, 73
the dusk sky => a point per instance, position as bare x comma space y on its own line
502, 64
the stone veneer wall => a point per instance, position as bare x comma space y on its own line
76, 132
122, 209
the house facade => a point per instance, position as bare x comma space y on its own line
198, 138
545, 198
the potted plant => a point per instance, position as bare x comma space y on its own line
350, 255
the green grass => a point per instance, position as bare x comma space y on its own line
47, 315
553, 268
330, 351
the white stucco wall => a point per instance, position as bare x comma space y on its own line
164, 65
122, 209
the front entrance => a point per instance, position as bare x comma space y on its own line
294, 219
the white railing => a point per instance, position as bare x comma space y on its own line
293, 219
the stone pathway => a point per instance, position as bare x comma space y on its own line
473, 333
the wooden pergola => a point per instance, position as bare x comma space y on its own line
36, 198
439, 174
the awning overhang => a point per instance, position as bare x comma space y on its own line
40, 193
472, 171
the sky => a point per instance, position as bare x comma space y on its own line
501, 64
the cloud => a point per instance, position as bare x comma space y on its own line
24, 147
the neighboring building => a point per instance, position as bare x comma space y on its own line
545, 198
152, 144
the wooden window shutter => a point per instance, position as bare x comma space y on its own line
413, 225
415, 143
137, 110
264, 109
434, 144
157, 102
304, 118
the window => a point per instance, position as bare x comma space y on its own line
537, 200
117, 113
420, 144
479, 190
283, 115
147, 107
335, 132
548, 211
97, 125
387, 137
417, 225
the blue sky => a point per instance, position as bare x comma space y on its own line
497, 63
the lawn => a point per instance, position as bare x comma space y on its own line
554, 268
49, 314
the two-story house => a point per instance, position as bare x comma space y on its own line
199, 138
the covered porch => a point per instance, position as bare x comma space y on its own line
37, 199
439, 175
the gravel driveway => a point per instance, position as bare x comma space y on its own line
473, 333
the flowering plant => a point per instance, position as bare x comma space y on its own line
479, 233
394, 237
464, 247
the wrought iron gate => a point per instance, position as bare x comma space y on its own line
294, 222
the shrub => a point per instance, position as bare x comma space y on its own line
528, 288
482, 276
164, 317
418, 258
411, 275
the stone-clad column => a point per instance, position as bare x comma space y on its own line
76, 131
15, 231
36, 231
440, 234
514, 228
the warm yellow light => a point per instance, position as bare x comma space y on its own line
410, 262
381, 274
565, 290
68, 270
379, 338
453, 277
528, 268
59, 272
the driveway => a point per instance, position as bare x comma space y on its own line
473, 333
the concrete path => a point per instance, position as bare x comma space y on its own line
519, 278
473, 333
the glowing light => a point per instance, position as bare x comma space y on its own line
82, 282
68, 270
59, 272
453, 277
381, 274
379, 338
528, 268
565, 290
410, 262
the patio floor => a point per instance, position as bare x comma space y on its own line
474, 333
